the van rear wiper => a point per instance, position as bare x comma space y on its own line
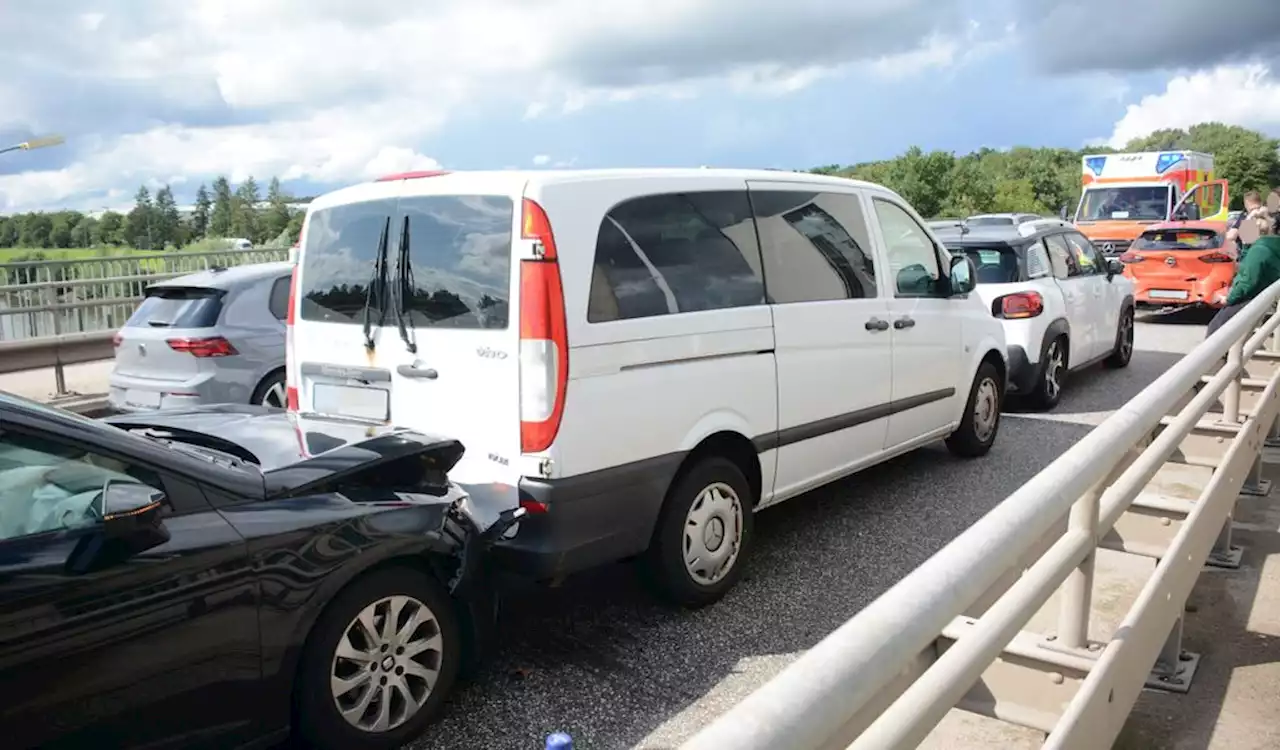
405, 287
378, 284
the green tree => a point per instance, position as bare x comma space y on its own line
244, 211
111, 228
277, 216
8, 232
167, 219
220, 216
36, 231
61, 225
200, 216
139, 224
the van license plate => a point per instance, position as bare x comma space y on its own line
1167, 294
351, 401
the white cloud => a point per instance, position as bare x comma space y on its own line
1246, 95
332, 91
541, 160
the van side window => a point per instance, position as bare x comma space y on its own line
913, 256
675, 253
815, 246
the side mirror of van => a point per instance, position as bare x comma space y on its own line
963, 275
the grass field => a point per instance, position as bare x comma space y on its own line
11, 254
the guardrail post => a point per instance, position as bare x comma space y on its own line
59, 376
1077, 590
1174, 667
1231, 397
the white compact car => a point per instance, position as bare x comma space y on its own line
1064, 306
642, 358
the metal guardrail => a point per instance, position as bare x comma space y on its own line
49, 298
61, 312
952, 633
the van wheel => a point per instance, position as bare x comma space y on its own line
1123, 352
981, 421
1053, 374
378, 664
703, 534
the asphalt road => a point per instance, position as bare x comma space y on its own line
600, 659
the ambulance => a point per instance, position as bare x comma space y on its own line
1125, 193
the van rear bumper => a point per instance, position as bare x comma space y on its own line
590, 520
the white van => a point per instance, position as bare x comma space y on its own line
641, 358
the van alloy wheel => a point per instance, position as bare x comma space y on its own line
713, 533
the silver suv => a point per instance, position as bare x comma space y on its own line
211, 337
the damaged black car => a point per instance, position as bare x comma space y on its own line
224, 576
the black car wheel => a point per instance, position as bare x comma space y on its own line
380, 660
981, 421
703, 534
1124, 342
1047, 391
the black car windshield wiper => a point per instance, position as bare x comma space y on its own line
406, 289
378, 286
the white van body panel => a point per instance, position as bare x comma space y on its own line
800, 393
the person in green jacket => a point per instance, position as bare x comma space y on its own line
1259, 268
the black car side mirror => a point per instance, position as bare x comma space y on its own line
963, 275
130, 524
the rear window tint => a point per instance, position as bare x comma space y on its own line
459, 271
172, 307
1178, 239
990, 221
675, 253
996, 265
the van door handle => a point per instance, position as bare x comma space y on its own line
875, 324
409, 371
901, 323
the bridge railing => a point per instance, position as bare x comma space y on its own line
953, 633
60, 312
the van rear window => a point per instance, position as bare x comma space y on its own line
459, 269
1178, 239
177, 307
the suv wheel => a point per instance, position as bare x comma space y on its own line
1124, 341
271, 392
379, 661
1053, 373
703, 534
977, 431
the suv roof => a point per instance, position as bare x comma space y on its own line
226, 278
1009, 236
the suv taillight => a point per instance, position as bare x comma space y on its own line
213, 346
1019, 305
544, 341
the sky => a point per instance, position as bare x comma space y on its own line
325, 93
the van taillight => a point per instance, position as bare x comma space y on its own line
1019, 305
544, 341
291, 387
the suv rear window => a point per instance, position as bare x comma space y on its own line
177, 307
1178, 239
459, 261
996, 264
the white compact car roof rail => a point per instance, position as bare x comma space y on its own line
1028, 228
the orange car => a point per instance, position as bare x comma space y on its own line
1181, 264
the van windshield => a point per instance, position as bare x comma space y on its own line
459, 269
